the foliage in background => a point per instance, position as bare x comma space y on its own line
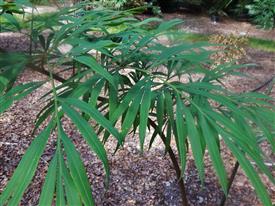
120, 4
7, 19
240, 8
212, 6
122, 76
263, 13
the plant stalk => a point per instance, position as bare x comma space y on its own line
31, 39
231, 179
175, 164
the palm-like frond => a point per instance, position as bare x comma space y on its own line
123, 74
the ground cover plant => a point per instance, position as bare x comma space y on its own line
117, 75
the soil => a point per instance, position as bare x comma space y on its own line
203, 24
136, 179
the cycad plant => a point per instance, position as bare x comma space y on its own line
123, 77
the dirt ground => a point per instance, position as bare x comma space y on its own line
202, 24
136, 179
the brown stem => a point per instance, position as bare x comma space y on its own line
263, 84
231, 179
175, 164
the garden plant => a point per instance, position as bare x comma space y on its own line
117, 73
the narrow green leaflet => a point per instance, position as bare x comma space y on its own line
181, 134
43, 115
214, 153
17, 93
60, 195
237, 135
12, 65
131, 114
72, 195
113, 96
124, 103
77, 170
89, 135
95, 93
194, 139
160, 110
263, 124
95, 114
48, 189
170, 115
250, 171
144, 113
26, 169
92, 64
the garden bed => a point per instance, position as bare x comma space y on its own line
136, 179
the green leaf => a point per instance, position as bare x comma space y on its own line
231, 126
250, 171
170, 113
95, 114
92, 64
240, 136
77, 169
70, 188
160, 110
144, 113
214, 152
43, 115
60, 196
127, 99
131, 114
13, 64
95, 93
113, 96
181, 134
194, 139
17, 93
48, 189
89, 135
26, 169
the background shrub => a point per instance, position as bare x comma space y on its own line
263, 13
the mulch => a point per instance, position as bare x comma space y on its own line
136, 179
